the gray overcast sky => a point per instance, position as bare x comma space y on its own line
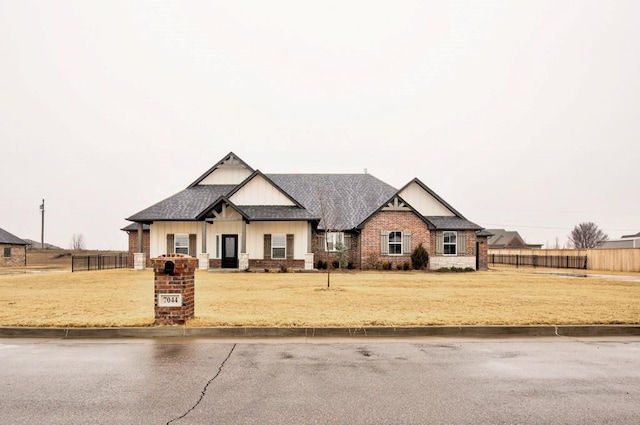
521, 114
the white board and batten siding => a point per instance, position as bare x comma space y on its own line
424, 202
260, 192
160, 230
257, 229
227, 175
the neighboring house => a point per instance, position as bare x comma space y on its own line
13, 250
233, 216
627, 241
503, 239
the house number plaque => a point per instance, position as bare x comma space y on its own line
169, 300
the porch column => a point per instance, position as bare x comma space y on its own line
139, 260
203, 257
243, 238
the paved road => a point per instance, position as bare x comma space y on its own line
347, 381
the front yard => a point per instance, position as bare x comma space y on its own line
125, 298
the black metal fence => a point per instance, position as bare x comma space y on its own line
551, 261
99, 262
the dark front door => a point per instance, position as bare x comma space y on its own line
229, 251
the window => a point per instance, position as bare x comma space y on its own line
395, 243
182, 244
450, 243
278, 247
217, 246
7, 252
334, 240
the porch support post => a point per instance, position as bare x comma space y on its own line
139, 260
140, 234
204, 236
203, 257
309, 237
243, 238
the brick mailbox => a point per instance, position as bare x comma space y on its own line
174, 291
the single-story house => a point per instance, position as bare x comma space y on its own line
233, 216
508, 239
13, 250
626, 241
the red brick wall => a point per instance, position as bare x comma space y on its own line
275, 264
483, 250
182, 282
393, 221
133, 246
353, 254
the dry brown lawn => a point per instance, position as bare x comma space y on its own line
125, 298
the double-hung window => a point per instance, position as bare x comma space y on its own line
181, 244
334, 241
278, 247
7, 252
395, 243
450, 243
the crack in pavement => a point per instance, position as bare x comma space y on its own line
204, 390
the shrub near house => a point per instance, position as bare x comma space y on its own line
236, 217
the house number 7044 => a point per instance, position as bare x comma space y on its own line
169, 300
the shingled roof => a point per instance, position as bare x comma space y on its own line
348, 199
9, 239
185, 205
452, 223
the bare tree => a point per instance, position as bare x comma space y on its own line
77, 242
587, 235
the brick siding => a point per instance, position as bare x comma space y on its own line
393, 221
146, 246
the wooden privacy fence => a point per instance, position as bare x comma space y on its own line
620, 260
99, 262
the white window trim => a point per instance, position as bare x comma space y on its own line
444, 243
333, 238
182, 247
274, 239
401, 243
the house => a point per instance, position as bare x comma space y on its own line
13, 250
233, 216
503, 239
626, 241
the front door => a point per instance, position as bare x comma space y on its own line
229, 251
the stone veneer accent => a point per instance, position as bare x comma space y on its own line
182, 282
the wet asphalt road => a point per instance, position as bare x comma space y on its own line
346, 381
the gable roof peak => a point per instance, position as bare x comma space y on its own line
229, 160
424, 187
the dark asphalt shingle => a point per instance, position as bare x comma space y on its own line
8, 238
348, 199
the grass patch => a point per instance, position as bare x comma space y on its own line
125, 298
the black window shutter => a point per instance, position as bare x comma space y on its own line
171, 246
192, 244
289, 247
267, 247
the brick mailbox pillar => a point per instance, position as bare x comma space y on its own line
174, 292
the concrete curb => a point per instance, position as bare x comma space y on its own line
274, 332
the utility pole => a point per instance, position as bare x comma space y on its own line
42, 229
